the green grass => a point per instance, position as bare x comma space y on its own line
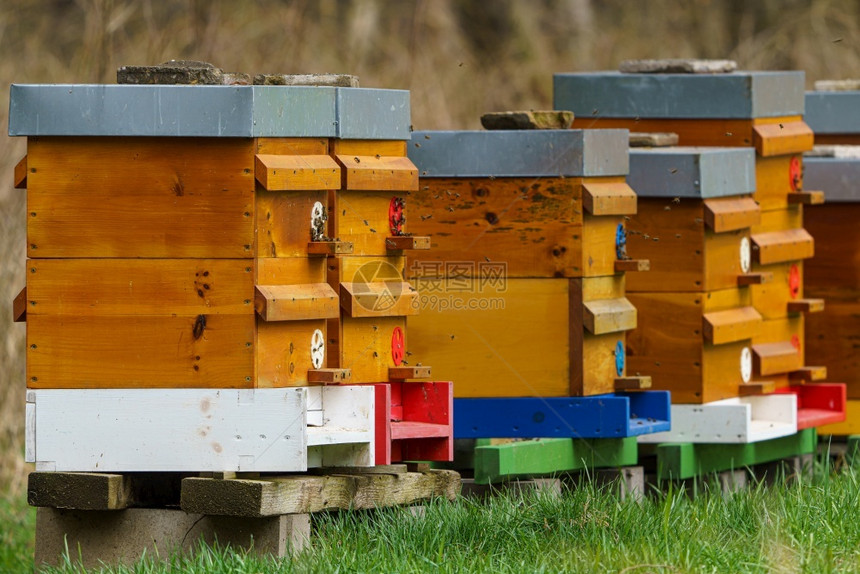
810, 526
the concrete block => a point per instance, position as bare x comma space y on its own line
630, 481
122, 536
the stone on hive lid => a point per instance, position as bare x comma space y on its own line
677, 66
529, 120
172, 72
654, 139
330, 80
837, 85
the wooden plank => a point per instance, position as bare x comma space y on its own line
292, 146
731, 421
731, 213
404, 373
347, 436
410, 430
509, 344
170, 430
628, 265
774, 181
678, 461
691, 132
672, 237
140, 197
19, 306
806, 306
731, 325
304, 494
849, 427
784, 137
806, 197
727, 256
632, 383
834, 272
365, 346
362, 218
550, 456
378, 299
296, 172
296, 302
831, 340
401, 242
775, 358
781, 246
599, 250
534, 225
644, 139
808, 374
290, 270
771, 299
140, 351
609, 316
758, 278
286, 351
82, 491
429, 404
138, 287
330, 248
21, 174
102, 491
377, 173
329, 376
608, 198
756, 388
368, 147
285, 221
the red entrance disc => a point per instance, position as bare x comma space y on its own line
793, 281
397, 346
395, 215
795, 174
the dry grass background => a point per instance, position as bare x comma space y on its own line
459, 58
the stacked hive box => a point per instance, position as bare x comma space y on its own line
739, 109
696, 319
833, 273
183, 281
523, 297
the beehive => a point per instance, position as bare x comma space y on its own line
522, 293
763, 110
181, 236
696, 320
833, 273
528, 223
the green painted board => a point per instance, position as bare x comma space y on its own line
542, 457
677, 461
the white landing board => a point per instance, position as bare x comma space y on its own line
736, 420
189, 430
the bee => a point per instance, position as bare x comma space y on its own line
357, 160
417, 144
426, 137
673, 170
676, 200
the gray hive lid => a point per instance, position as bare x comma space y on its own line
208, 111
839, 178
520, 153
833, 112
694, 172
736, 95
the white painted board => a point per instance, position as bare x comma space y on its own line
196, 430
735, 420
347, 435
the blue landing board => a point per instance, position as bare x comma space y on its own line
601, 416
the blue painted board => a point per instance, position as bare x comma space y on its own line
600, 416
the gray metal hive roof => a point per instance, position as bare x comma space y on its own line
696, 172
737, 95
207, 111
833, 112
838, 177
520, 153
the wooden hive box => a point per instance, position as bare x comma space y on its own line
834, 273
521, 294
190, 247
763, 110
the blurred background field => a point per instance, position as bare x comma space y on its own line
459, 58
